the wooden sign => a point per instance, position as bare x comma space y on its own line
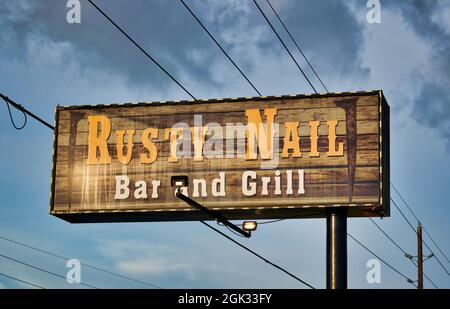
247, 158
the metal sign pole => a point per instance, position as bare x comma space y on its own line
337, 248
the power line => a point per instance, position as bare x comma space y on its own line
43, 270
404, 217
83, 264
24, 111
290, 217
415, 232
382, 260
229, 229
272, 221
401, 249
141, 49
56, 255
226, 236
296, 44
284, 45
379, 227
298, 47
437, 259
419, 221
12, 119
220, 47
315, 73
304, 56
389, 237
22, 281
257, 255
19, 107
312, 68
426, 276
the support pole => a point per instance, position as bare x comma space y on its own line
419, 258
337, 248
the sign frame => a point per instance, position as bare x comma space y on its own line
382, 208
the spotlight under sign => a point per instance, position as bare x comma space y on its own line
246, 158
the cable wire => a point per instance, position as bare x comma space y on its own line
290, 217
25, 111
257, 255
419, 221
220, 47
426, 276
404, 217
271, 221
228, 228
22, 281
382, 260
140, 48
18, 128
401, 249
389, 237
296, 44
284, 45
83, 264
41, 269
415, 232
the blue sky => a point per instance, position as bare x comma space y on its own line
44, 61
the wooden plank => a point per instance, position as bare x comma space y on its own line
139, 121
352, 178
366, 193
364, 128
167, 109
233, 178
364, 142
363, 158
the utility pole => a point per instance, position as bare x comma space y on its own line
419, 258
337, 248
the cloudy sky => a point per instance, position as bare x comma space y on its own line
45, 61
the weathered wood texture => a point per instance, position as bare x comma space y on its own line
359, 179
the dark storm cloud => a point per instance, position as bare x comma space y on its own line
418, 14
327, 30
432, 105
162, 27
432, 108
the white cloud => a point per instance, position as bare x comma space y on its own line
155, 266
442, 18
52, 74
397, 58
143, 258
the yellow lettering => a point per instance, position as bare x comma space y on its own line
291, 143
332, 152
198, 139
124, 159
146, 138
314, 137
98, 141
255, 130
173, 134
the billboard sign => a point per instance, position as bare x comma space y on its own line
247, 158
